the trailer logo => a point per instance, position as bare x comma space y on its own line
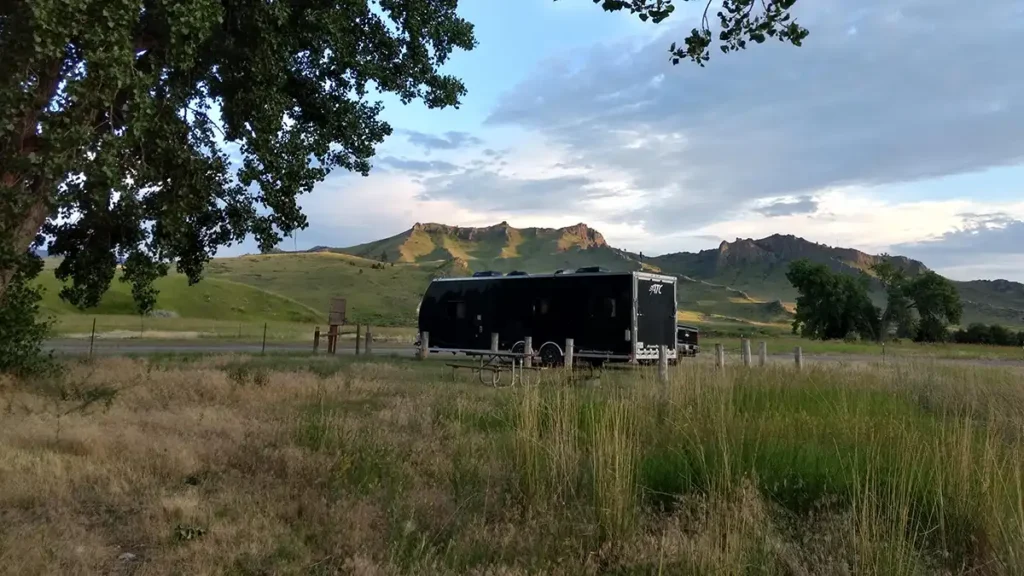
655, 289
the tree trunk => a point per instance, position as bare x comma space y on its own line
21, 234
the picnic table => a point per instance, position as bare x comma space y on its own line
496, 363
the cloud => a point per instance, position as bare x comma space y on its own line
801, 205
900, 100
483, 189
987, 245
448, 141
416, 166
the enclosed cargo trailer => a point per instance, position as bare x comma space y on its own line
611, 316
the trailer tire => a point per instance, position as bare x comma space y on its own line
551, 354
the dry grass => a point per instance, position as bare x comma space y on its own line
234, 465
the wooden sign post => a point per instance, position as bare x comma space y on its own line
335, 318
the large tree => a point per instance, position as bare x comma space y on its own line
921, 306
832, 305
158, 131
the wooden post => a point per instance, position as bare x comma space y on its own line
92, 337
798, 355
719, 356
528, 352
494, 341
264, 351
762, 354
424, 345
359, 337
663, 363
568, 353
316, 340
369, 341
332, 339
746, 351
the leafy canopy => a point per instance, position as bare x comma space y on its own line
832, 305
740, 22
934, 299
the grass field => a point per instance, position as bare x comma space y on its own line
297, 465
781, 344
385, 296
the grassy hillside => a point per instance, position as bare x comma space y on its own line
740, 285
211, 299
385, 296
758, 268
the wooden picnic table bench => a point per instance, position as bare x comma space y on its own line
494, 362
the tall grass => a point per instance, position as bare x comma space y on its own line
389, 468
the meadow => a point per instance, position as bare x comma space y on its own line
314, 465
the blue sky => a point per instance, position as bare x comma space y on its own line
898, 126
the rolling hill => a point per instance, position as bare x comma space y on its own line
738, 284
744, 279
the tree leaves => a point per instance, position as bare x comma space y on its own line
934, 298
740, 22
832, 305
157, 131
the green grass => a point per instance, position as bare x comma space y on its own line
786, 344
210, 299
291, 464
380, 296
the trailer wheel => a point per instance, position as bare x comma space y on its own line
550, 355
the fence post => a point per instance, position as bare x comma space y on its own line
719, 356
333, 335
798, 355
494, 341
568, 353
663, 363
359, 336
745, 345
528, 352
264, 350
316, 340
92, 337
368, 348
762, 354
424, 345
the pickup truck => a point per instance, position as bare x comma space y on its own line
687, 340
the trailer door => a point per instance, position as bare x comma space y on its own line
655, 316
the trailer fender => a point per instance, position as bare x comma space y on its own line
548, 346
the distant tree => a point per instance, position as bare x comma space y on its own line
933, 299
937, 303
898, 310
832, 305
383, 256
1001, 336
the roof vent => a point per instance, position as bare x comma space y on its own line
486, 274
517, 273
591, 270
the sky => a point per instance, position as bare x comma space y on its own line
897, 127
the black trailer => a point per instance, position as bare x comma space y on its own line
611, 316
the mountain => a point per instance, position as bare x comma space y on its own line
500, 247
740, 280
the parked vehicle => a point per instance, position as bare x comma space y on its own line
687, 340
611, 316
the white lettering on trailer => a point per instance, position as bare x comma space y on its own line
655, 289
